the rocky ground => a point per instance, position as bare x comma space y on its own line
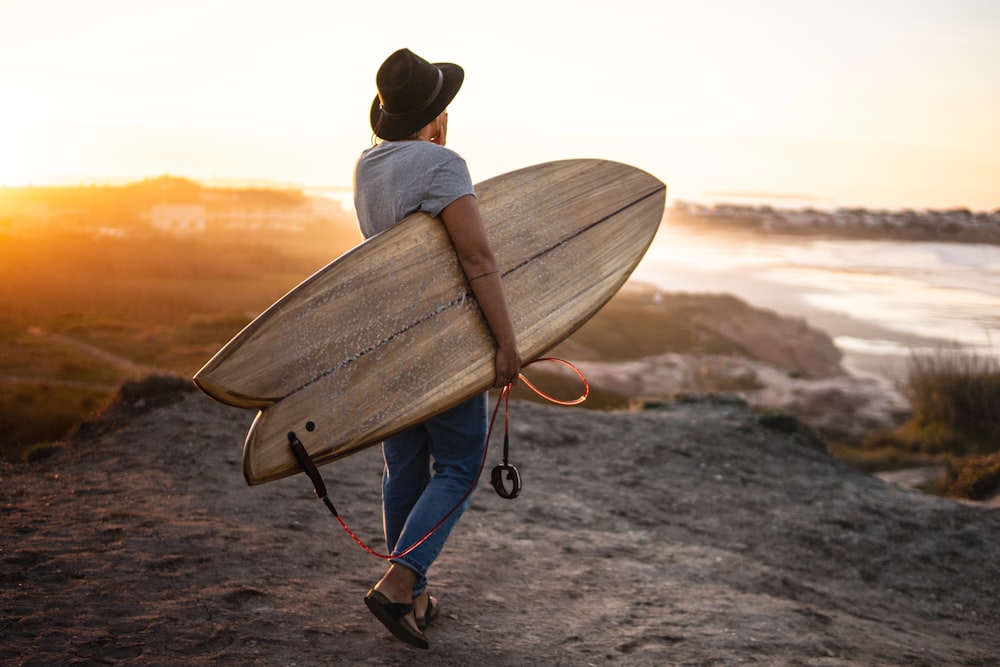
689, 534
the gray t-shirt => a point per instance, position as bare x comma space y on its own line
396, 178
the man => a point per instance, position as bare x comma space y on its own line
411, 170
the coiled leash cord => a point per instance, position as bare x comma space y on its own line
497, 476
506, 469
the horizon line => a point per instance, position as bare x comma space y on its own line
710, 197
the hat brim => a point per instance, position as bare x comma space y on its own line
399, 127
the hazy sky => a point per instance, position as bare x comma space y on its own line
871, 102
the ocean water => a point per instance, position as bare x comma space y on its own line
879, 300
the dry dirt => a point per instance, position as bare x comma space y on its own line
686, 535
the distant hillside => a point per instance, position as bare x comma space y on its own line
132, 206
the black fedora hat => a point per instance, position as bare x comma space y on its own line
411, 93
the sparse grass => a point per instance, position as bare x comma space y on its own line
955, 421
26, 355
154, 279
158, 301
42, 412
953, 400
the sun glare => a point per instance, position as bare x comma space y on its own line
859, 105
16, 114
8, 153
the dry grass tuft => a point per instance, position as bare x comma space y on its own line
954, 420
974, 477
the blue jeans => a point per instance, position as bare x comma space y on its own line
413, 499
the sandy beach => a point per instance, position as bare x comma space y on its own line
686, 535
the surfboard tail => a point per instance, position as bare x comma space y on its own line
227, 397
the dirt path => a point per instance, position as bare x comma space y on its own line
86, 348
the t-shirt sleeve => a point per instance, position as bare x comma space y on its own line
449, 181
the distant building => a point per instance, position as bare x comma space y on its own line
178, 218
253, 215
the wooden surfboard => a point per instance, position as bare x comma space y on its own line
390, 334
